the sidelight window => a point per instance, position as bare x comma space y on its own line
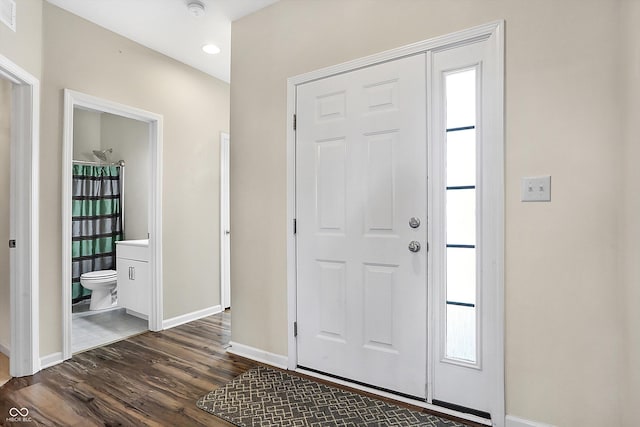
461, 201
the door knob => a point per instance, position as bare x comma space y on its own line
414, 222
414, 246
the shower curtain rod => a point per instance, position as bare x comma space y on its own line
86, 162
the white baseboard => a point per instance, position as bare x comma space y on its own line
258, 355
138, 315
190, 317
5, 350
51, 360
511, 421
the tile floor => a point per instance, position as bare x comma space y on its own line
95, 329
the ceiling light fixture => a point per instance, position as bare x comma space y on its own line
211, 49
196, 8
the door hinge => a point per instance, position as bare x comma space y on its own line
295, 226
12, 243
295, 121
295, 329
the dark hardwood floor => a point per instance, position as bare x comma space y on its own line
151, 379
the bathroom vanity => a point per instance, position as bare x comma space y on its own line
134, 288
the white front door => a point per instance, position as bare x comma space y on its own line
361, 156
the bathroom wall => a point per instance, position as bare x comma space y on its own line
84, 57
130, 142
5, 146
86, 134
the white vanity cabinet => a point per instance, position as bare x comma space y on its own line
132, 265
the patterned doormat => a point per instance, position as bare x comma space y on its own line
266, 397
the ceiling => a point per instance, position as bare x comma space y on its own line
168, 27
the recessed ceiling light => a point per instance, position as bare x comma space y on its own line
211, 49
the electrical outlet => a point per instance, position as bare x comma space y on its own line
536, 189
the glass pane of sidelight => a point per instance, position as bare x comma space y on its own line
461, 99
461, 158
461, 275
461, 217
461, 333
461, 178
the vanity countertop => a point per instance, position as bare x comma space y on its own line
141, 242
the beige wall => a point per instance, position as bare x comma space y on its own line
5, 154
130, 142
631, 200
564, 334
24, 46
86, 58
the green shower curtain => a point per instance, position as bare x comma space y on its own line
96, 222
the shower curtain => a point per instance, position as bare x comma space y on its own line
97, 222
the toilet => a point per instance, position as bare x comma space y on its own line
102, 284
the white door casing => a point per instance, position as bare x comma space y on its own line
490, 204
74, 99
24, 225
361, 162
225, 226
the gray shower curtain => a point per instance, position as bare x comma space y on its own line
96, 222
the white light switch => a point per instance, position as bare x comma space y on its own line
536, 189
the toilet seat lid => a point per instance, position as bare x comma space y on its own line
99, 274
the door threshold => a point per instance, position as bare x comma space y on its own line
396, 397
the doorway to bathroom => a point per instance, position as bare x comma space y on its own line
111, 218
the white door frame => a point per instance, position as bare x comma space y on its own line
24, 227
493, 31
74, 99
225, 254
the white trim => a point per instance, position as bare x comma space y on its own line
74, 99
225, 285
258, 355
443, 42
51, 360
190, 317
291, 237
418, 403
482, 32
5, 350
24, 225
512, 421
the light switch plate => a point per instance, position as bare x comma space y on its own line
536, 189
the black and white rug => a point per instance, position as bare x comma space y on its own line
266, 397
